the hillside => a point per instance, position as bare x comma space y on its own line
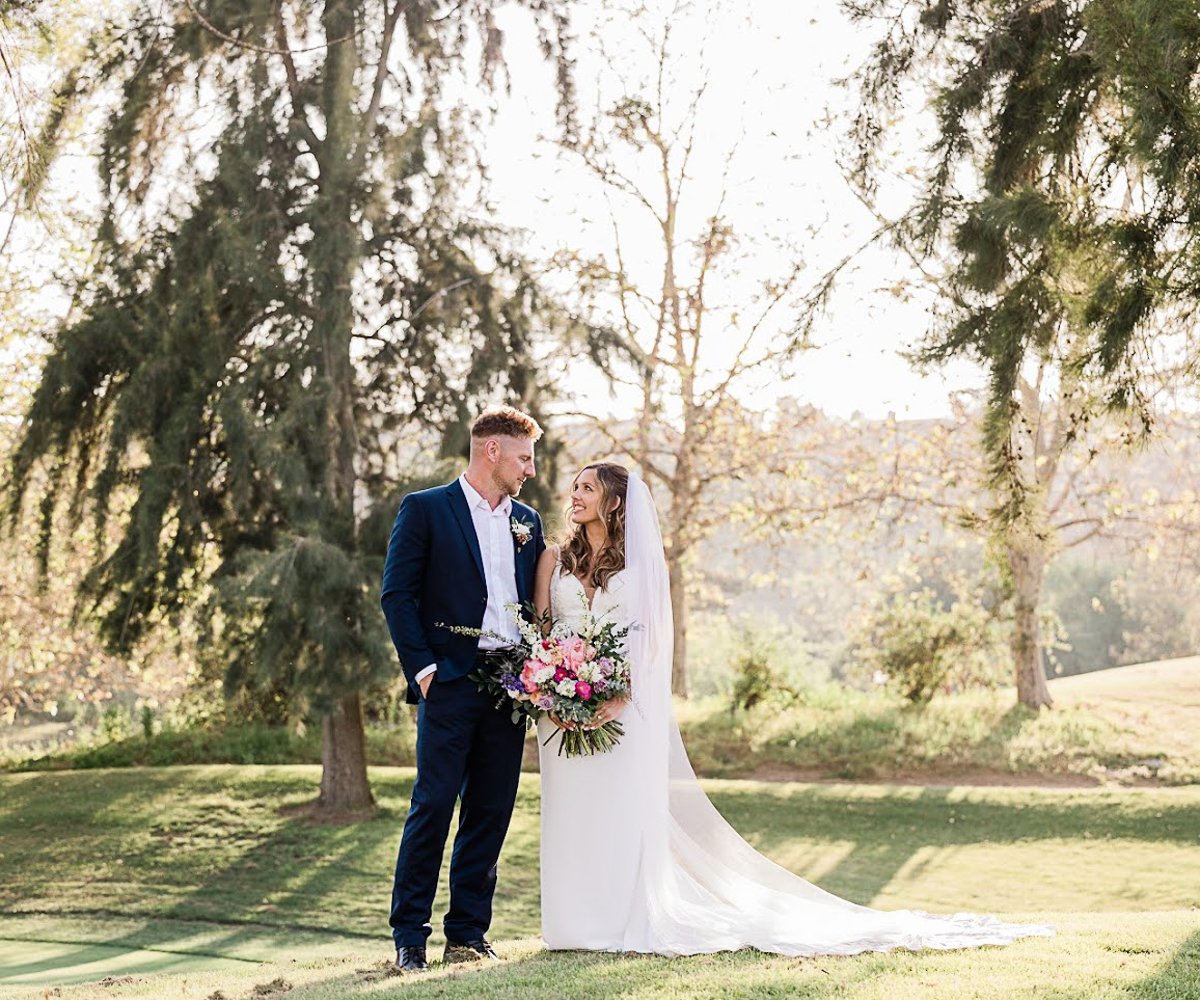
1162, 698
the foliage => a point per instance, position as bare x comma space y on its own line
693, 314
1053, 218
920, 644
1060, 175
721, 637
1125, 725
1130, 725
285, 283
755, 679
231, 743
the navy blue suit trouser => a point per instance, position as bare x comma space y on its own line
466, 749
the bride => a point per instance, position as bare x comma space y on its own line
634, 857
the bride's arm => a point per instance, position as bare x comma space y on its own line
541, 584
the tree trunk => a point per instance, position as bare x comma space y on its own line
344, 787
679, 679
336, 255
1027, 564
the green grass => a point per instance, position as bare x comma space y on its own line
244, 743
1127, 725
154, 872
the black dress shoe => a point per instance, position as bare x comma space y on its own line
411, 959
469, 951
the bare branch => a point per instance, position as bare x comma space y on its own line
298, 117
381, 75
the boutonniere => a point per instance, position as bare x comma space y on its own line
522, 532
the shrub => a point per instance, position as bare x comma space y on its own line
919, 645
754, 678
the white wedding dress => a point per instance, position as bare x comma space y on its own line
636, 858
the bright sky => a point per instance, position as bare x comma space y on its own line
771, 76
770, 82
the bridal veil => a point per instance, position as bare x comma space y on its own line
701, 887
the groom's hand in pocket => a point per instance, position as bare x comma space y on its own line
425, 683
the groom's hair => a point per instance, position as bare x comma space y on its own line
504, 421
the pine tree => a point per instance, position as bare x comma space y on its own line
269, 309
1061, 193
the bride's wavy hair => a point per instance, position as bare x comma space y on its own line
577, 555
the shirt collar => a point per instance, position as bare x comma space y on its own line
475, 499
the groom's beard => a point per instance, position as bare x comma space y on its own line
511, 487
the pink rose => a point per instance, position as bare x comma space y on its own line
584, 690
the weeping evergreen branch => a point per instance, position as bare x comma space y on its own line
287, 289
1061, 186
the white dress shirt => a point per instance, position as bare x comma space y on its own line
493, 529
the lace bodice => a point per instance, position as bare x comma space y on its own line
568, 599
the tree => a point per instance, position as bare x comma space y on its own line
286, 278
697, 336
1061, 192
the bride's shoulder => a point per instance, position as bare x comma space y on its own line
550, 557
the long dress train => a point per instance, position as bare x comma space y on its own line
634, 855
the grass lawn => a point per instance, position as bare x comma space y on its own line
186, 882
1127, 725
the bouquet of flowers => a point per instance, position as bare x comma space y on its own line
562, 673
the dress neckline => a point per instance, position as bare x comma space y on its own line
590, 600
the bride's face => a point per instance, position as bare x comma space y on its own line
585, 498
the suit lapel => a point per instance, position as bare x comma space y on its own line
458, 504
520, 561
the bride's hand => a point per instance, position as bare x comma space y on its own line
608, 712
559, 722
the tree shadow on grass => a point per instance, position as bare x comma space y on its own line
888, 830
231, 860
240, 860
45, 820
224, 857
1178, 979
39, 961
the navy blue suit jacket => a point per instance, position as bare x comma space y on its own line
433, 577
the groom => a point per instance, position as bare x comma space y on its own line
457, 555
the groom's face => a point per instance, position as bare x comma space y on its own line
512, 463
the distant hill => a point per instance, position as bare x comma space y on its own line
1162, 697
1163, 685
